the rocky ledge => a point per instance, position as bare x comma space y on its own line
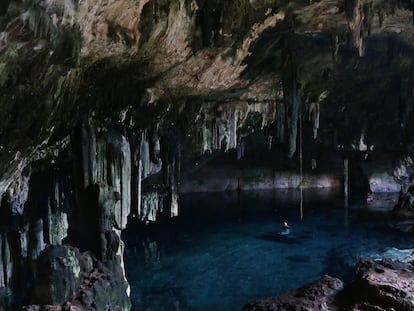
69, 280
378, 285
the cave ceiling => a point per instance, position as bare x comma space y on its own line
130, 64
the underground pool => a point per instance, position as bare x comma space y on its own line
224, 251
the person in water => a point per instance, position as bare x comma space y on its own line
285, 228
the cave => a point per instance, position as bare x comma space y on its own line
151, 150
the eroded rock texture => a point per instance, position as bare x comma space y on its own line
379, 285
109, 109
68, 280
320, 295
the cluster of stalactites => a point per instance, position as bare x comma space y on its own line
106, 159
360, 16
125, 162
218, 125
47, 223
154, 153
146, 162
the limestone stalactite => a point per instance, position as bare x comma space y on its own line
291, 96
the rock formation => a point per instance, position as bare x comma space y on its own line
379, 285
110, 108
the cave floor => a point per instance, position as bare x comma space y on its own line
223, 250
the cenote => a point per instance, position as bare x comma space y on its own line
223, 250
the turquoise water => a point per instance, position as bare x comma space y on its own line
223, 250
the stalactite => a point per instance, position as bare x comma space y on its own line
215, 140
136, 173
4, 261
101, 160
218, 124
152, 205
334, 47
154, 144
232, 122
145, 151
119, 173
360, 15
2, 265
314, 118
17, 193
88, 141
280, 122
145, 155
39, 22
139, 188
57, 221
291, 96
355, 16
36, 241
171, 161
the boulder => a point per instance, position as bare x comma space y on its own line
379, 285
405, 205
319, 295
384, 285
57, 275
403, 211
68, 280
104, 288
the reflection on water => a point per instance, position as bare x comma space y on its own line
224, 249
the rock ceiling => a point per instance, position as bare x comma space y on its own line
66, 60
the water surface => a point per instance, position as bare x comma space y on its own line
224, 251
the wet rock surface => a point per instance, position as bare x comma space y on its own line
57, 275
315, 296
378, 285
384, 285
69, 280
403, 211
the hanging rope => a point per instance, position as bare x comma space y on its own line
301, 164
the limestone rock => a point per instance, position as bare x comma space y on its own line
104, 288
404, 209
96, 286
379, 285
385, 284
379, 172
57, 275
319, 295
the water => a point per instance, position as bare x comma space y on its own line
223, 251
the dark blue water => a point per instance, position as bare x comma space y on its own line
223, 250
